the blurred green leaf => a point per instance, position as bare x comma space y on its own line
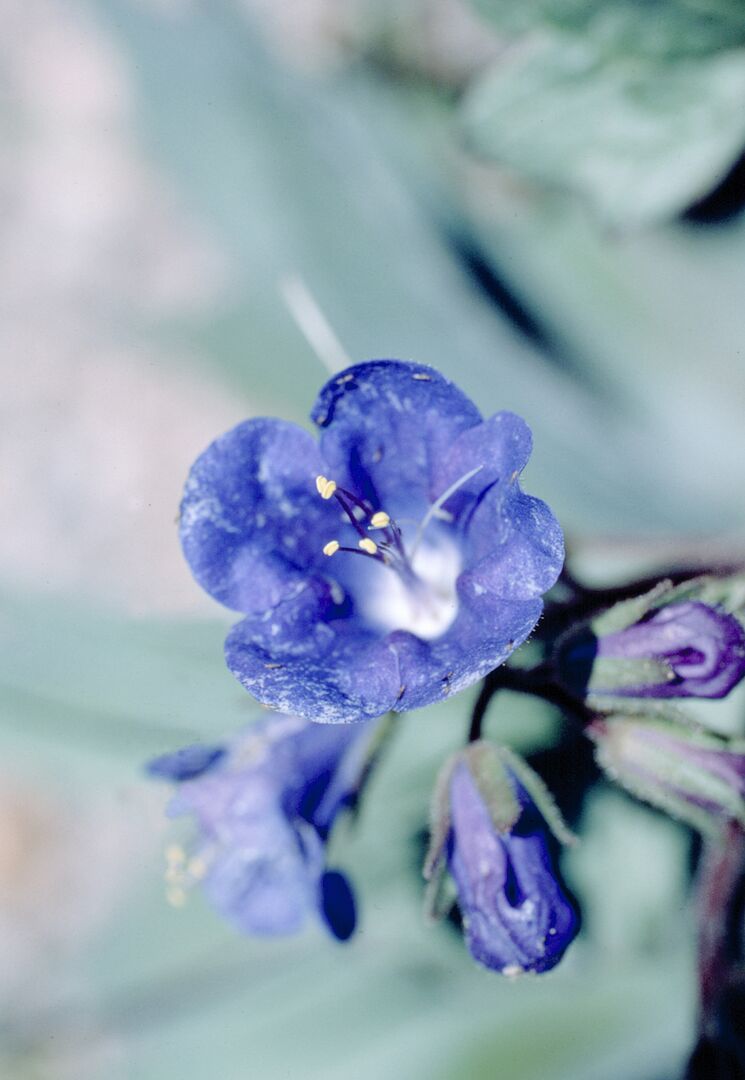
664, 28
639, 139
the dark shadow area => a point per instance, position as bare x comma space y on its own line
575, 659
486, 279
725, 202
482, 274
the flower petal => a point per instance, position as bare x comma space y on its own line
186, 763
515, 914
386, 425
261, 879
331, 672
515, 547
252, 524
316, 767
481, 638
337, 905
498, 447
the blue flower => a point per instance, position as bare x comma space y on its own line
390, 564
492, 837
265, 806
515, 914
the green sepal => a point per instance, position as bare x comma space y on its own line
487, 767
439, 818
440, 894
627, 612
619, 673
654, 708
539, 793
723, 591
485, 764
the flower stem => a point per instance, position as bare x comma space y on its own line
537, 681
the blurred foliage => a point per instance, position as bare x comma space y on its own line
635, 106
664, 28
639, 139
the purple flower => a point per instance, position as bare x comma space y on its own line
684, 649
390, 564
692, 775
515, 913
265, 806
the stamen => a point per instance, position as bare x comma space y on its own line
353, 512
377, 555
331, 548
325, 487
437, 505
364, 507
196, 868
380, 520
368, 545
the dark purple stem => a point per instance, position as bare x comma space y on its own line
537, 681
721, 873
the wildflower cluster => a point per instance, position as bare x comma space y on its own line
388, 565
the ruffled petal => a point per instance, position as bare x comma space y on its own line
498, 448
514, 547
252, 524
330, 672
316, 767
261, 879
482, 637
386, 426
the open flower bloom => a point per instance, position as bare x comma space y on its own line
391, 563
494, 841
265, 806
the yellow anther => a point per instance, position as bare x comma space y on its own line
380, 520
368, 545
325, 487
176, 897
331, 548
175, 854
196, 867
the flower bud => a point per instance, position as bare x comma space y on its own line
494, 841
697, 777
682, 649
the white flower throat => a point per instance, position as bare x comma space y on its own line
420, 596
